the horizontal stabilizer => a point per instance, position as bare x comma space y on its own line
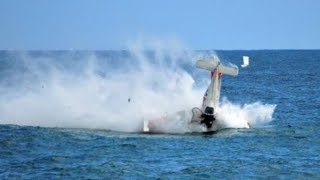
207, 65
232, 71
213, 64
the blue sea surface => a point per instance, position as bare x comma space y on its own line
287, 147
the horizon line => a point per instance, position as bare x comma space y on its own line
71, 49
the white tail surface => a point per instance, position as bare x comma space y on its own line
207, 65
232, 71
213, 64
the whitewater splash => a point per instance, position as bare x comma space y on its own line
88, 90
229, 115
233, 115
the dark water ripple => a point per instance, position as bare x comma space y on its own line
267, 152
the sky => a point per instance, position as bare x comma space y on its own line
199, 24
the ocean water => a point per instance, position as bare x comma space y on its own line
65, 114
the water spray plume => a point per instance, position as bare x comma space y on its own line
90, 90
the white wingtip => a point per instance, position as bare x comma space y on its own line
145, 126
245, 61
